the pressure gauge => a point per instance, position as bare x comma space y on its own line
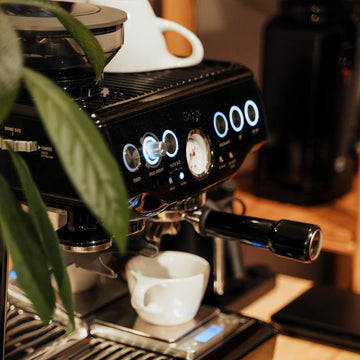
198, 154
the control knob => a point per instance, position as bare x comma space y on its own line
153, 150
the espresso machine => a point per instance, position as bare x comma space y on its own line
176, 134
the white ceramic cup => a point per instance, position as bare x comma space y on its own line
144, 47
167, 289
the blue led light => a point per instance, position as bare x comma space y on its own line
233, 113
251, 122
131, 149
13, 274
171, 134
134, 202
221, 125
181, 176
150, 160
209, 333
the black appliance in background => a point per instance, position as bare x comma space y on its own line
310, 92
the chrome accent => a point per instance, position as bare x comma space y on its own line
219, 266
86, 249
181, 210
315, 245
194, 219
135, 226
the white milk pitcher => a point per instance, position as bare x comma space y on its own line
144, 46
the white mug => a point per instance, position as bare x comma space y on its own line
167, 289
144, 47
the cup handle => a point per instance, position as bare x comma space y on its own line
197, 47
139, 292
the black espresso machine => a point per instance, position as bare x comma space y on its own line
176, 134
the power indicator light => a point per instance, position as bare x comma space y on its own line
220, 124
251, 113
13, 274
171, 142
236, 118
181, 175
131, 157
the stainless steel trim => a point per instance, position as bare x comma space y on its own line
219, 266
86, 249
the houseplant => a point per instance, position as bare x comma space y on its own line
28, 235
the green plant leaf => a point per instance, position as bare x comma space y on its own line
84, 154
79, 32
10, 66
28, 258
47, 235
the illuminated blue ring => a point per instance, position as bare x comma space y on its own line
254, 106
148, 159
242, 121
221, 135
124, 159
176, 141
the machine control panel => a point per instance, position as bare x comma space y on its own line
169, 147
188, 145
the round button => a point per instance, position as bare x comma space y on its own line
131, 157
170, 140
220, 124
236, 118
251, 113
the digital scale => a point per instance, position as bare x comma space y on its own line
210, 329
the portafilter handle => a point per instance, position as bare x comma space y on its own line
291, 239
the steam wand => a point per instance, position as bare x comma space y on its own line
296, 240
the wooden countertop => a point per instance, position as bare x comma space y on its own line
288, 288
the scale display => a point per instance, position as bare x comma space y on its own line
208, 333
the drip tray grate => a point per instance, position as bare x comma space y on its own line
28, 338
100, 349
25, 334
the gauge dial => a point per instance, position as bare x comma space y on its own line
198, 154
